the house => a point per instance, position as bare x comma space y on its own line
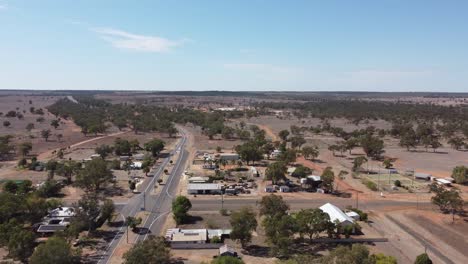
95, 156
226, 250
337, 215
124, 158
291, 170
422, 176
198, 179
58, 219
228, 156
284, 188
311, 181
226, 109
275, 153
136, 165
443, 182
138, 156
204, 188
270, 189
61, 212
353, 215
194, 236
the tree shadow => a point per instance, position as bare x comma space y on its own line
256, 251
191, 219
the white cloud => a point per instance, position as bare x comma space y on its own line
125, 40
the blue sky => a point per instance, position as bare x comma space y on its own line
234, 45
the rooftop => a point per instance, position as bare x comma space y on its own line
335, 213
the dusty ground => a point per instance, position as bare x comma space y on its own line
412, 232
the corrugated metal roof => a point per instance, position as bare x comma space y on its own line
204, 186
335, 213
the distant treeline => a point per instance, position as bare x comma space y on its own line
358, 109
94, 116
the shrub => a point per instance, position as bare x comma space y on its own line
370, 184
397, 183
215, 240
224, 212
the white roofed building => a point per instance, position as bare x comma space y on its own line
337, 215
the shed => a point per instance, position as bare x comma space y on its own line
204, 188
198, 179
138, 156
337, 215
422, 176
353, 215
443, 182
190, 237
228, 156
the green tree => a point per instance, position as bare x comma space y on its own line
383, 259
24, 148
279, 230
372, 146
94, 175
456, 142
55, 123
447, 200
6, 123
103, 150
45, 133
227, 260
356, 254
273, 204
283, 134
249, 151
55, 250
460, 174
387, 163
310, 152
267, 149
243, 223
297, 141
276, 172
357, 163
21, 245
155, 146
351, 143
423, 259
133, 222
29, 127
68, 169
180, 207
301, 172
312, 222
122, 147
408, 139
154, 250
288, 156
328, 177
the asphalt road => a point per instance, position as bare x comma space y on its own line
214, 203
159, 205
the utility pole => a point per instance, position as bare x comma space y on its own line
357, 200
222, 201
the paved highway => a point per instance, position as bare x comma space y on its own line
202, 203
158, 205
